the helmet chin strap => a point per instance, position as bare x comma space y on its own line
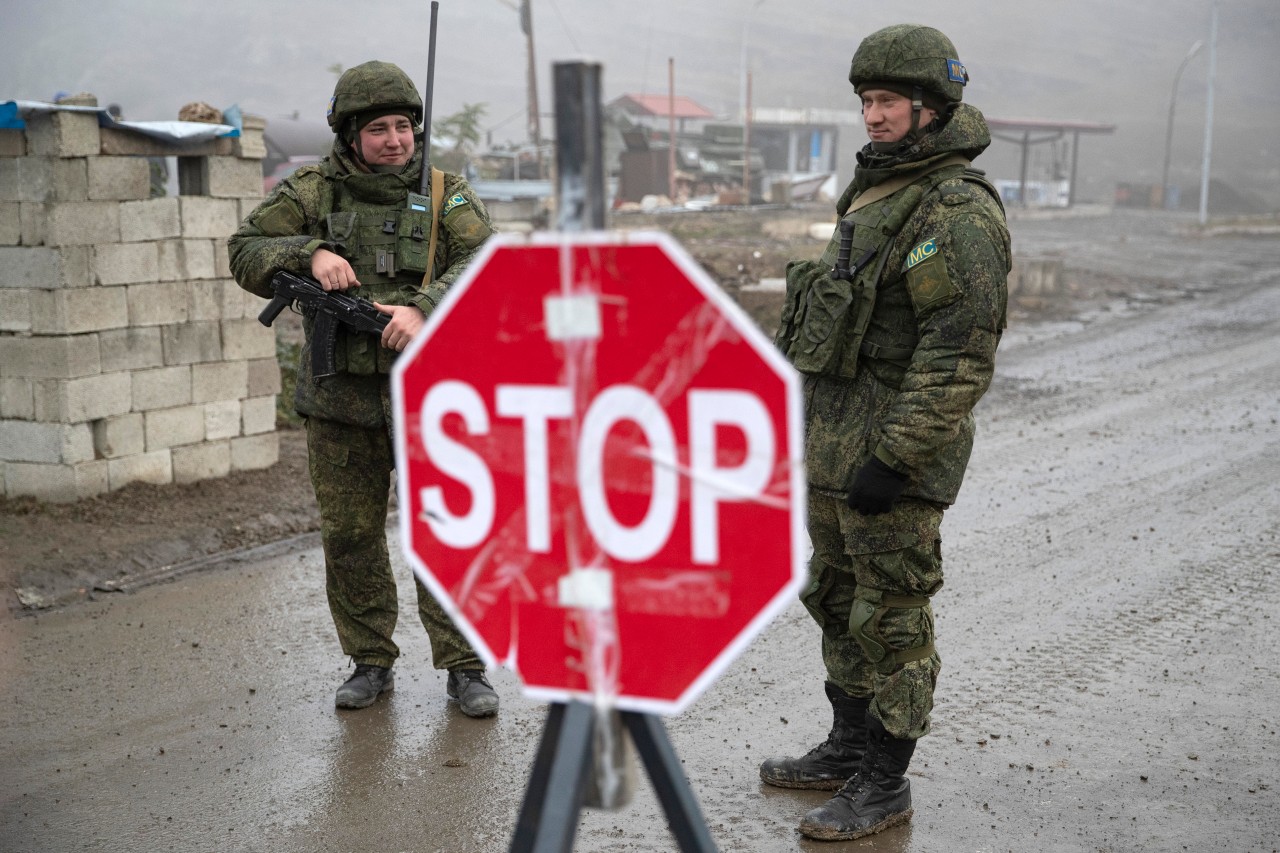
913, 133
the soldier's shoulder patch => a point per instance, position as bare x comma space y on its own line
928, 280
922, 251
454, 201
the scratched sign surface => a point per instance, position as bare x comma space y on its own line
600, 468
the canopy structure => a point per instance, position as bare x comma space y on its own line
1028, 132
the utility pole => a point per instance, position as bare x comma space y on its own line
671, 128
1168, 134
534, 123
1208, 116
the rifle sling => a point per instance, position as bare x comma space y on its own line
437, 198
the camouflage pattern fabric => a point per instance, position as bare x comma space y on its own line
336, 206
941, 298
857, 556
351, 473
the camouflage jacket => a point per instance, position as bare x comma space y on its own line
928, 351
365, 218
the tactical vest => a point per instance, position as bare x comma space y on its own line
824, 320
386, 246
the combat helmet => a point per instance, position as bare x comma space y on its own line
916, 61
369, 90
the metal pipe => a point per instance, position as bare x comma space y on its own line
579, 148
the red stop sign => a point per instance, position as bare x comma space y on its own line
600, 473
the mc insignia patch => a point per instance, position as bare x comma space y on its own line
455, 200
923, 250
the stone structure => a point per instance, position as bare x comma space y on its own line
127, 352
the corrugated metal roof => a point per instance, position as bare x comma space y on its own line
662, 106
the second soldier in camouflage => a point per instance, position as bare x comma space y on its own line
894, 361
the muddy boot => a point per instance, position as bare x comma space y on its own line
364, 685
476, 697
878, 797
829, 764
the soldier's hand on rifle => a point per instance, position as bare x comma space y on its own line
332, 270
406, 321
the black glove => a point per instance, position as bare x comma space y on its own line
874, 488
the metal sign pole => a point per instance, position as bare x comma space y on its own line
579, 147
560, 777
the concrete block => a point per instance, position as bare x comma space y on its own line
221, 260
208, 217
70, 180
258, 414
250, 143
119, 178
223, 380
17, 399
44, 268
10, 223
32, 441
161, 388
119, 436
201, 461
74, 401
34, 221
155, 467
153, 219
245, 339
63, 134
26, 179
255, 452
83, 223
199, 259
206, 300
159, 304
192, 342
131, 348
61, 357
57, 483
15, 310
13, 143
78, 310
264, 377
126, 263
233, 177
221, 419
173, 427
241, 304
171, 261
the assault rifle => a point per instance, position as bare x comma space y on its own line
329, 308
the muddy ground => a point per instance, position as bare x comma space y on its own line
58, 554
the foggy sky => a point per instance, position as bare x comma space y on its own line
1090, 60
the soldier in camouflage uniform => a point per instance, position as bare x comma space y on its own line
349, 222
895, 355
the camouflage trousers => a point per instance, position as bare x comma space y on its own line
870, 582
351, 472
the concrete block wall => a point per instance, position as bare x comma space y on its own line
127, 352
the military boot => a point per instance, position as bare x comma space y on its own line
475, 695
876, 798
364, 685
829, 764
